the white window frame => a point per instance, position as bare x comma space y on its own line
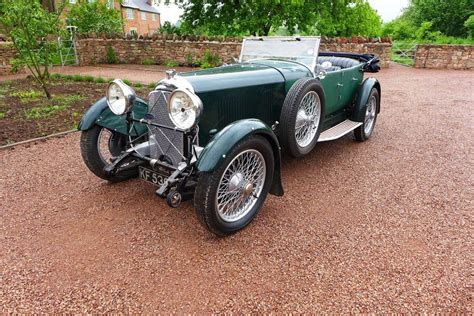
143, 15
130, 14
153, 16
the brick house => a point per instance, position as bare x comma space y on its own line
140, 16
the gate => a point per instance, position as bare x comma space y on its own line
404, 53
67, 48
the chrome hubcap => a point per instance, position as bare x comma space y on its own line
241, 185
307, 119
370, 113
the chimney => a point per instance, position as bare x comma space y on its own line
149, 2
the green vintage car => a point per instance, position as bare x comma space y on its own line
215, 135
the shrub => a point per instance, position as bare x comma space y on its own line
100, 80
89, 78
209, 60
171, 63
127, 82
78, 78
189, 60
111, 56
148, 61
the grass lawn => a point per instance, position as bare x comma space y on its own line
26, 113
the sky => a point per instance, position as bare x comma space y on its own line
387, 9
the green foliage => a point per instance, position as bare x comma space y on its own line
281, 17
78, 78
469, 25
89, 78
27, 95
148, 61
100, 80
168, 28
347, 18
151, 85
433, 21
111, 56
95, 17
248, 17
137, 85
41, 112
2, 115
189, 60
33, 31
209, 60
171, 63
127, 82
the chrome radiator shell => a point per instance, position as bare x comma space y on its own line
165, 144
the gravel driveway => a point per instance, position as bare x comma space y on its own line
381, 226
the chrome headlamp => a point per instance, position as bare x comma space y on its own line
184, 108
120, 97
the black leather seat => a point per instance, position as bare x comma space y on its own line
342, 62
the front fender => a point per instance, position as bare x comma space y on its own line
223, 142
100, 114
358, 112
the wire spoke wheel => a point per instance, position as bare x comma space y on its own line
370, 115
241, 185
307, 119
104, 145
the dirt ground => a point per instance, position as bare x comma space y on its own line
380, 226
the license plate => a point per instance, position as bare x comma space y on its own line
151, 176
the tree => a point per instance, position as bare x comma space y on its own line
259, 17
248, 17
446, 16
348, 18
95, 17
469, 24
30, 28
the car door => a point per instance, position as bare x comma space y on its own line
349, 83
332, 90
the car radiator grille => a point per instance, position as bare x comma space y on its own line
165, 144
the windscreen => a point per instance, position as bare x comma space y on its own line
300, 49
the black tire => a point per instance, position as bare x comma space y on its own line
205, 196
360, 133
289, 113
92, 158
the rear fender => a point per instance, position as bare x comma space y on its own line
100, 114
223, 142
358, 112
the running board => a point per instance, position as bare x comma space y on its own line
338, 131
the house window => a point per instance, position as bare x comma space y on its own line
143, 15
129, 14
153, 16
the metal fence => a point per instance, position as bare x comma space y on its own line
404, 53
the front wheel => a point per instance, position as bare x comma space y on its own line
363, 132
98, 147
228, 198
